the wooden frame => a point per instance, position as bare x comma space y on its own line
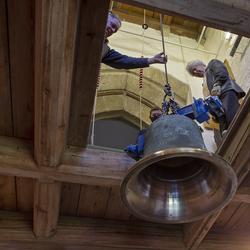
58, 69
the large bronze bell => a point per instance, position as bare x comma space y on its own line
178, 180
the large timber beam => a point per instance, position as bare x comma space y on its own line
92, 23
208, 12
55, 32
90, 166
234, 149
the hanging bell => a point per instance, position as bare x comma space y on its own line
178, 180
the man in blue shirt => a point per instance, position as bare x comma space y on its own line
116, 60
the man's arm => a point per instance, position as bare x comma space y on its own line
220, 76
116, 60
219, 71
119, 61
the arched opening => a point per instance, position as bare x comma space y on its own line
114, 133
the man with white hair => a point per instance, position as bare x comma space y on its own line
115, 59
216, 81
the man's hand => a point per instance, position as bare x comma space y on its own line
216, 90
159, 58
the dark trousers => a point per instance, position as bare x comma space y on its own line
230, 103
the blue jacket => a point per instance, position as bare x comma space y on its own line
116, 60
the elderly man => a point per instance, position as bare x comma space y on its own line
115, 59
216, 81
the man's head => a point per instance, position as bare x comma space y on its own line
113, 24
155, 113
196, 68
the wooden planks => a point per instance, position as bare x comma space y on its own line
238, 220
93, 201
93, 15
115, 208
7, 193
70, 198
100, 234
16, 118
83, 233
234, 18
6, 125
21, 46
24, 194
235, 149
154, 23
224, 217
242, 195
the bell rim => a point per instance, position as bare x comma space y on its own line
171, 153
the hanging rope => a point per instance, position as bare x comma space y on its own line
111, 6
168, 104
163, 47
144, 27
94, 108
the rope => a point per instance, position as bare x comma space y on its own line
168, 104
144, 27
94, 108
163, 47
111, 6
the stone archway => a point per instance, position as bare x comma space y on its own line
118, 94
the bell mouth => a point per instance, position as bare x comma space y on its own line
175, 169
178, 185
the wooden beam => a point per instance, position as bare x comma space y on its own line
208, 12
91, 166
55, 33
235, 149
92, 23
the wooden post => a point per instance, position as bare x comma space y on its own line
92, 23
56, 24
46, 208
55, 32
